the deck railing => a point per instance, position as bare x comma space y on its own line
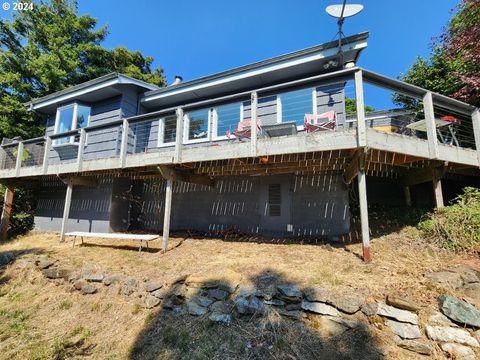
198, 124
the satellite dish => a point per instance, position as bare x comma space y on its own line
343, 11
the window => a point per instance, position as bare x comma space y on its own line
274, 199
167, 130
197, 125
295, 104
227, 118
68, 118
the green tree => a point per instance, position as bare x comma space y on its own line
45, 50
351, 107
453, 67
50, 48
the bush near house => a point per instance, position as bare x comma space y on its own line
456, 227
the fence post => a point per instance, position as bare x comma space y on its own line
360, 103
253, 123
46, 153
81, 148
18, 165
431, 126
6, 210
124, 144
179, 136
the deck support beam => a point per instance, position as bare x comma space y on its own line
66, 210
437, 191
362, 194
408, 196
166, 215
253, 123
6, 211
180, 175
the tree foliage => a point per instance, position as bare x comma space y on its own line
453, 68
50, 48
45, 50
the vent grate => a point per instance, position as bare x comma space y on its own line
275, 199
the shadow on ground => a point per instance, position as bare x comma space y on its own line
171, 333
8, 257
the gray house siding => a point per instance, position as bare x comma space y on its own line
315, 205
90, 208
332, 97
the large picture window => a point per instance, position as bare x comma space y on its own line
197, 125
70, 117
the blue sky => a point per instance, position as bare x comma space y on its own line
198, 38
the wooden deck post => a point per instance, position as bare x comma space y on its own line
361, 128
437, 191
124, 144
18, 164
362, 193
166, 216
66, 209
253, 123
408, 196
6, 210
179, 136
476, 130
429, 113
81, 148
46, 153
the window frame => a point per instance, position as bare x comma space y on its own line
74, 121
161, 132
186, 127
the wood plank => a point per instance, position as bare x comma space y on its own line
142, 237
66, 210
6, 212
167, 213
431, 125
185, 176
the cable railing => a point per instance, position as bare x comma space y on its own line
281, 111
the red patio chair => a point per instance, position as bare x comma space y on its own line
321, 122
244, 130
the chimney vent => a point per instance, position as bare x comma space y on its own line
178, 80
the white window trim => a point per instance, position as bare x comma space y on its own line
279, 109
161, 133
186, 130
74, 123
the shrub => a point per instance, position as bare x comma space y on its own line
23, 210
457, 226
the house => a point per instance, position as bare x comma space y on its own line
120, 154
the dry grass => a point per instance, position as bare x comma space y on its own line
39, 320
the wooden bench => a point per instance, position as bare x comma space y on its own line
136, 237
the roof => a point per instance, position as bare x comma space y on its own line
285, 67
95, 89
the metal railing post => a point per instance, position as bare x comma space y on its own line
18, 165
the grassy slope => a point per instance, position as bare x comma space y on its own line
40, 320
